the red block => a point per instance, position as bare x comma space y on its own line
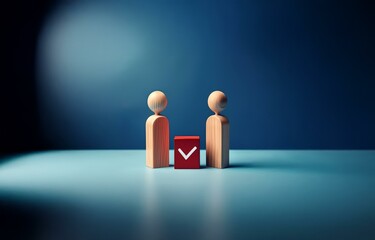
186, 152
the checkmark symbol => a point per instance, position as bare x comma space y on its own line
186, 156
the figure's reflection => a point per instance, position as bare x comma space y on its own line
215, 217
169, 209
151, 224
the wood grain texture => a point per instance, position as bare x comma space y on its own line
217, 141
157, 141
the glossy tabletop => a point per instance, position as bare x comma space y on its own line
264, 194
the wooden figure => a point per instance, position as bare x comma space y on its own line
217, 132
186, 152
157, 132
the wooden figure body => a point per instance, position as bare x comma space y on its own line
157, 132
217, 132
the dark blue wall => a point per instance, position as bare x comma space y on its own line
297, 74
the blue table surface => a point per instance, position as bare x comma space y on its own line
264, 194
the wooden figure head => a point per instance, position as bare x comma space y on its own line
157, 102
217, 101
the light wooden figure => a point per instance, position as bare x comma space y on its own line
217, 132
157, 132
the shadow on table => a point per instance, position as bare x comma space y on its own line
6, 158
308, 167
266, 165
286, 167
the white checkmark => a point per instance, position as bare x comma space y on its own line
189, 154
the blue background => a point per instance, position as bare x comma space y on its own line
297, 74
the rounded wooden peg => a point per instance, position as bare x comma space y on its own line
157, 102
217, 101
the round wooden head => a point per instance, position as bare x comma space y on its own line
157, 102
217, 101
